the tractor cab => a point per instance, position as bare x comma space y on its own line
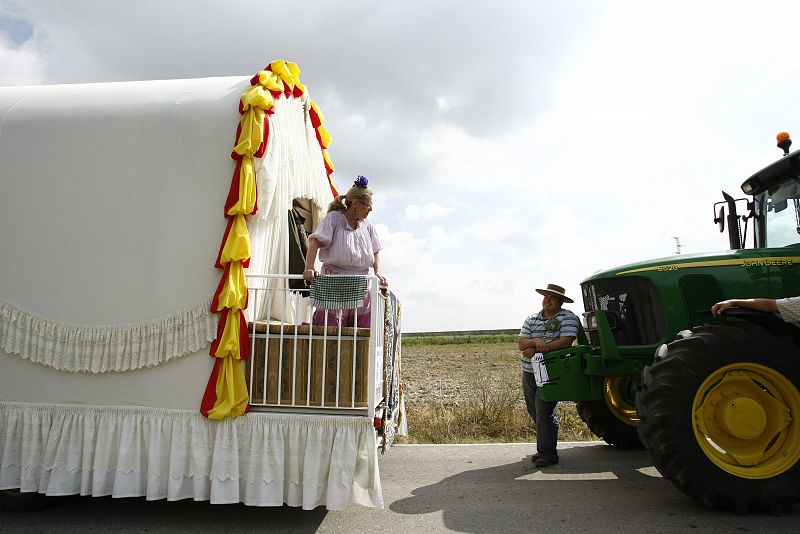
772, 213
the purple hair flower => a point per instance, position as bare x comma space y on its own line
361, 181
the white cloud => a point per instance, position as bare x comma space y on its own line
431, 210
21, 56
506, 152
20, 66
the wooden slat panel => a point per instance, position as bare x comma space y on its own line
301, 375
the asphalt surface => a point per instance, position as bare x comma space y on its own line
444, 488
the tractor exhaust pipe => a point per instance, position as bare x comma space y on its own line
734, 233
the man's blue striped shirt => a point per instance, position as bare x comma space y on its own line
564, 324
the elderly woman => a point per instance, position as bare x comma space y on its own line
347, 244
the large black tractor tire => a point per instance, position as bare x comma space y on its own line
611, 419
720, 416
15, 501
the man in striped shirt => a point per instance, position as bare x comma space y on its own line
550, 329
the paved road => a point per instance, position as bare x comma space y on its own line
445, 488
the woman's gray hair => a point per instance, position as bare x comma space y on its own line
340, 203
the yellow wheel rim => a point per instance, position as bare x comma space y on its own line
743, 419
618, 393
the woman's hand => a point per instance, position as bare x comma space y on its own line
382, 279
309, 275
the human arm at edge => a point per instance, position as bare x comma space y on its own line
766, 305
376, 266
311, 258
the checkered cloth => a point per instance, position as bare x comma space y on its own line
336, 291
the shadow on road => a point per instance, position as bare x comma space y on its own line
600, 487
104, 514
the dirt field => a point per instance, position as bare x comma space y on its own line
470, 392
441, 373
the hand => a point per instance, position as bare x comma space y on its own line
383, 281
721, 307
309, 275
529, 353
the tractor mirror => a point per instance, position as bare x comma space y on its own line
720, 220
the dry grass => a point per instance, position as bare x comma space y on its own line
469, 392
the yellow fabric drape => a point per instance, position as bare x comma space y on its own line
257, 96
270, 81
324, 136
280, 68
230, 342
294, 70
234, 290
232, 396
237, 245
252, 134
317, 111
327, 159
246, 203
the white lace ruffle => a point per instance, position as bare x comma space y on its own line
260, 459
101, 349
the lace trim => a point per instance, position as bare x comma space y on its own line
164, 453
102, 349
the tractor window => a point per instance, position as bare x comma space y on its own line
783, 215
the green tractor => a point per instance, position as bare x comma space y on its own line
714, 401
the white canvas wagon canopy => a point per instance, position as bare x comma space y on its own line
112, 200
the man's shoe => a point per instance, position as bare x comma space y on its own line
535, 457
541, 461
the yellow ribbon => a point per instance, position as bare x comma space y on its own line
280, 68
231, 387
229, 342
270, 80
324, 136
246, 202
252, 132
237, 244
295, 72
258, 97
327, 159
317, 111
234, 290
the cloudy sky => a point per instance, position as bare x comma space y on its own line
510, 144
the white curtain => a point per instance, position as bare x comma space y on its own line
292, 167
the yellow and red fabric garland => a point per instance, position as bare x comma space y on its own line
226, 393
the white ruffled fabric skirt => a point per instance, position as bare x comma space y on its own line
103, 349
259, 459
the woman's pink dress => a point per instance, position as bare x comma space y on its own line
344, 250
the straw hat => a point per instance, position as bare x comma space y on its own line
556, 291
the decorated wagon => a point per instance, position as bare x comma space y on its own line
154, 340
